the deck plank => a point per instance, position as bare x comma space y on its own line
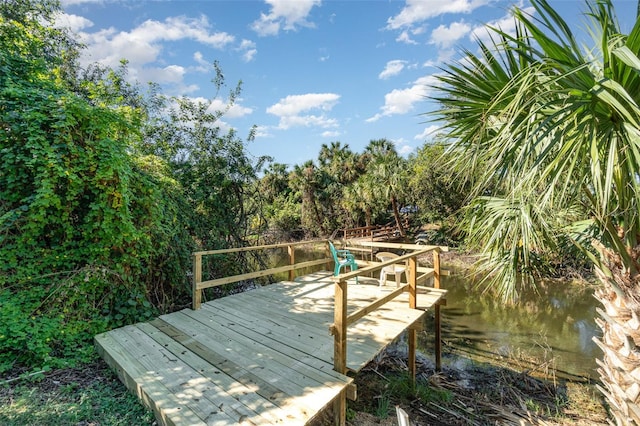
259, 361
256, 358
144, 383
247, 395
185, 383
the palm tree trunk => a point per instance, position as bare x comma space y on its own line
396, 215
367, 216
620, 323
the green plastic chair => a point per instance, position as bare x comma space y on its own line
342, 259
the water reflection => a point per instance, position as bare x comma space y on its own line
557, 323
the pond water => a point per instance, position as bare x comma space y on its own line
551, 328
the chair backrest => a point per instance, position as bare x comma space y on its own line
334, 252
383, 256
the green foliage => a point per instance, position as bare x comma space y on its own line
104, 402
550, 131
434, 186
88, 238
383, 408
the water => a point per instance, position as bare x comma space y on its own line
552, 328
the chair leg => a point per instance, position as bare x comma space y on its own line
382, 276
398, 275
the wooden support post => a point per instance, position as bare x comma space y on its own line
413, 281
412, 341
436, 269
438, 338
292, 261
438, 331
340, 347
196, 297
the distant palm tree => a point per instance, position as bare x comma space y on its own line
558, 129
359, 196
305, 179
388, 172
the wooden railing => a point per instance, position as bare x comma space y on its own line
341, 321
376, 231
199, 285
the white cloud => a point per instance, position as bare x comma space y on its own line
393, 68
405, 149
236, 110
65, 3
404, 37
444, 37
289, 121
291, 110
143, 44
143, 47
285, 14
200, 59
248, 49
402, 101
263, 132
402, 146
295, 104
428, 133
506, 24
330, 134
169, 74
416, 11
74, 22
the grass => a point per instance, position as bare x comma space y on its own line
90, 397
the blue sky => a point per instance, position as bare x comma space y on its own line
312, 71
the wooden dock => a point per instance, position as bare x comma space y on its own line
265, 356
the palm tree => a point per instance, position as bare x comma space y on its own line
559, 129
360, 196
388, 171
305, 179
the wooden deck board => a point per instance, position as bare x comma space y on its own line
260, 357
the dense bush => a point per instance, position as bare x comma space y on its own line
98, 211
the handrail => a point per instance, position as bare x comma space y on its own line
263, 247
241, 277
368, 231
199, 285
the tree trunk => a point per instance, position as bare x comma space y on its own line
367, 216
396, 215
620, 323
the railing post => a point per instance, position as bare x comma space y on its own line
437, 324
413, 281
436, 268
411, 355
292, 261
196, 298
340, 347
411, 333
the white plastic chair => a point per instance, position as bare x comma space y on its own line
395, 269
